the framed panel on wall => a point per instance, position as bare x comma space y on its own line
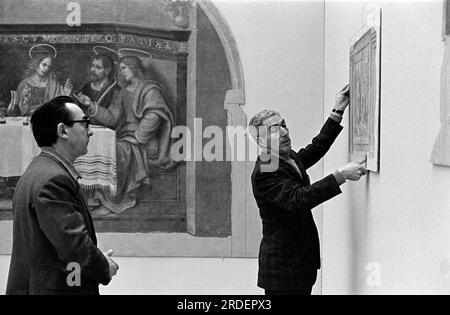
365, 74
440, 155
446, 19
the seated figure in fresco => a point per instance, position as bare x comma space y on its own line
143, 124
102, 87
40, 84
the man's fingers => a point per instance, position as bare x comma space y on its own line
362, 170
346, 94
345, 88
116, 265
364, 161
80, 97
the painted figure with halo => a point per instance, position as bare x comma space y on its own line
40, 83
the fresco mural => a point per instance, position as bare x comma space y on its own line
45, 62
143, 202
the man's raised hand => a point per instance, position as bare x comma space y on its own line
343, 98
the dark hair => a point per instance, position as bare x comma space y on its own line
107, 62
46, 118
258, 121
135, 64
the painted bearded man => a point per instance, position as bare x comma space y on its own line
102, 87
143, 124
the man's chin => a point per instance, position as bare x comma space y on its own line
285, 149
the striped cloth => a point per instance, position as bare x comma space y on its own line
98, 168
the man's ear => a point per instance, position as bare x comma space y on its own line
61, 131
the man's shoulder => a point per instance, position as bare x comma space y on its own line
44, 172
44, 168
265, 169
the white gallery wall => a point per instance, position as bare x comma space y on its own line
389, 234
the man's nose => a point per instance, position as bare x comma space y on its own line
90, 132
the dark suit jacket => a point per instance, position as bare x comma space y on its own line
52, 228
289, 254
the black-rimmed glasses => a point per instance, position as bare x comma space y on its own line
87, 121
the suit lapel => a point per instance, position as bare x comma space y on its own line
287, 168
301, 167
291, 170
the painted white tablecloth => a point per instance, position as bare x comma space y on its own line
17, 146
97, 168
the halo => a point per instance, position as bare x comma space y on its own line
30, 52
98, 50
134, 52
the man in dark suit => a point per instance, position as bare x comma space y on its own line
289, 254
54, 243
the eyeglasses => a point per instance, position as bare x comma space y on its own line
87, 121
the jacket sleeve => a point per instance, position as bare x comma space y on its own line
320, 144
286, 193
60, 218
